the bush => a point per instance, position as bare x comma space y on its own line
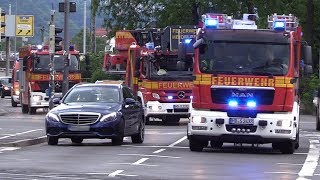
308, 85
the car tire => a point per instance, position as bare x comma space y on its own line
77, 140
116, 141
317, 118
13, 104
52, 140
287, 147
196, 145
216, 144
24, 109
139, 137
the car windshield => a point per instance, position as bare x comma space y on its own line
244, 58
43, 63
93, 94
6, 81
171, 68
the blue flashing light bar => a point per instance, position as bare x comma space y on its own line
170, 97
279, 25
187, 41
211, 23
39, 47
251, 104
233, 103
71, 48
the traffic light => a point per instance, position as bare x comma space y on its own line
3, 23
55, 39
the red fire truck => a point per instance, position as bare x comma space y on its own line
246, 82
35, 75
161, 80
15, 100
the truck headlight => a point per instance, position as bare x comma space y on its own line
109, 117
155, 107
284, 123
52, 116
199, 119
36, 98
155, 95
6, 88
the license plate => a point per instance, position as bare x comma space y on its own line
241, 121
78, 128
181, 106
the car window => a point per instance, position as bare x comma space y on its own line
6, 81
93, 94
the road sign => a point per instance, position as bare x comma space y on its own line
24, 25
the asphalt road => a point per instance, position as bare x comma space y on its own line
163, 155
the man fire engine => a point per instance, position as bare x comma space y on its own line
246, 83
160, 79
35, 75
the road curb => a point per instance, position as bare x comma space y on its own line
25, 142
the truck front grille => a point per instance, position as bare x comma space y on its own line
79, 118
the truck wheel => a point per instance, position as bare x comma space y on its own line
287, 147
275, 146
24, 109
296, 142
317, 118
216, 144
52, 140
13, 104
197, 146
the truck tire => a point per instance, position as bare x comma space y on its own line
32, 110
296, 142
196, 145
24, 108
287, 147
13, 104
216, 144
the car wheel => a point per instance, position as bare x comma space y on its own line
318, 118
119, 139
13, 104
24, 109
52, 140
216, 144
287, 147
196, 145
139, 137
77, 140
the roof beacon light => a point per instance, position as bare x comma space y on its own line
187, 40
279, 25
39, 47
211, 23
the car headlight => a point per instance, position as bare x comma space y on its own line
6, 88
52, 116
36, 98
109, 117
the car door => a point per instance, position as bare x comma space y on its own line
131, 112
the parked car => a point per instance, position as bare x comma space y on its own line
101, 110
5, 86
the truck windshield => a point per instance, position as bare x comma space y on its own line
43, 63
171, 68
244, 58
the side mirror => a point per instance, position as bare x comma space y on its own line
129, 101
56, 100
307, 51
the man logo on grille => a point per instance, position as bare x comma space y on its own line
57, 84
181, 94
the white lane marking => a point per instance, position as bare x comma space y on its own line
113, 174
179, 141
289, 164
159, 151
174, 147
118, 173
140, 161
160, 133
27, 140
9, 148
41, 176
311, 162
148, 155
300, 153
281, 172
135, 164
307, 122
4, 137
97, 173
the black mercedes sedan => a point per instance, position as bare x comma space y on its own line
103, 110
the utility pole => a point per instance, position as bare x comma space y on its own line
65, 85
84, 26
52, 46
8, 49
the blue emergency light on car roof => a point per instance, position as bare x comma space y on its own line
279, 25
211, 23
